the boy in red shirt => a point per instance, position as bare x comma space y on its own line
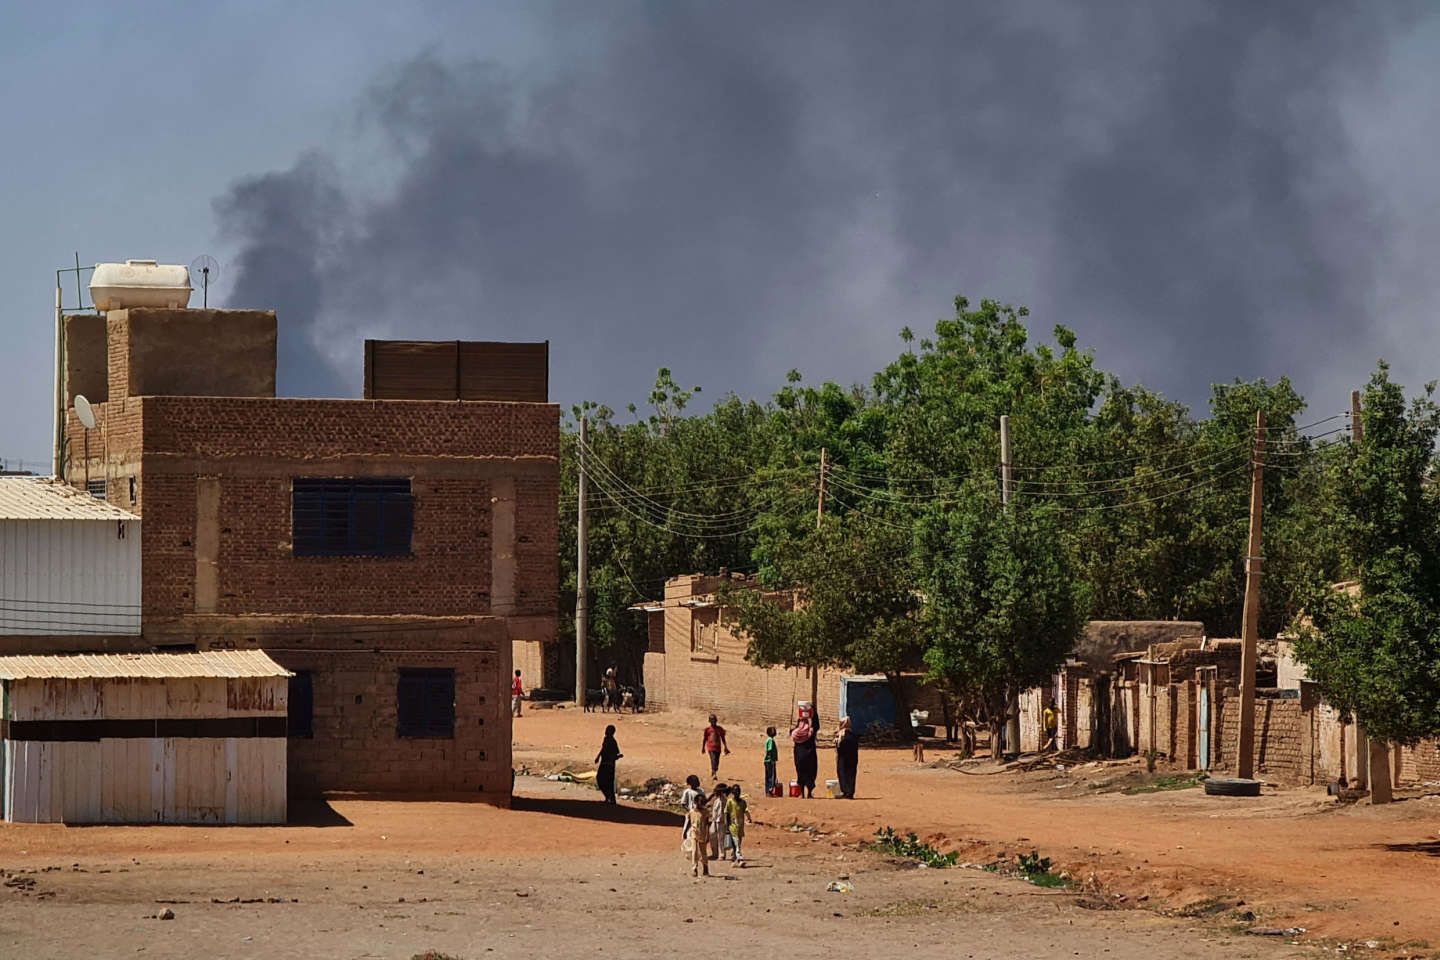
516, 693
713, 743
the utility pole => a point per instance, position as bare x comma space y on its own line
820, 504
57, 466
819, 517
1250, 620
1373, 756
582, 570
1362, 741
1012, 706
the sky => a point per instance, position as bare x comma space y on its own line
1202, 191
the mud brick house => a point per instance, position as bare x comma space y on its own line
696, 661
394, 553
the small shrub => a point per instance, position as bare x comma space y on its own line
1174, 781
911, 847
1036, 869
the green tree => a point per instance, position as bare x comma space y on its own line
1002, 608
1375, 650
841, 596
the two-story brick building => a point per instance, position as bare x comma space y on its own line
392, 553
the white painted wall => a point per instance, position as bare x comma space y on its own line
66, 577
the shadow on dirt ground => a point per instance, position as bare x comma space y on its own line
598, 810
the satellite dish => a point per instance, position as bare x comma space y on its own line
84, 411
203, 272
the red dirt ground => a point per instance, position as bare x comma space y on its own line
1296, 857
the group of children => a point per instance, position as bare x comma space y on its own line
714, 825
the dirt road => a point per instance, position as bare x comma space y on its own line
1295, 858
560, 876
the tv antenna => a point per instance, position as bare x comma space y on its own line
204, 271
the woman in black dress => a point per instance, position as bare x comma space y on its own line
609, 753
807, 759
847, 758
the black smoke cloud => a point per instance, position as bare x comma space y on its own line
733, 190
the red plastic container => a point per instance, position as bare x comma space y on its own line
794, 788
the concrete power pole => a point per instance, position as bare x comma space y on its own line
1012, 705
1250, 620
582, 570
1372, 756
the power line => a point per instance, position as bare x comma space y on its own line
656, 507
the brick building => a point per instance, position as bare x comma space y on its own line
696, 660
394, 553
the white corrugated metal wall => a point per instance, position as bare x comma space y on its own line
69, 577
142, 779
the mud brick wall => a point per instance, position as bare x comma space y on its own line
257, 447
527, 656
1287, 748
114, 451
356, 747
227, 428
719, 679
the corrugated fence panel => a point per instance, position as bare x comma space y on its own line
69, 577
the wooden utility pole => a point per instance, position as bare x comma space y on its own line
819, 517
1012, 706
820, 503
582, 570
1250, 621
1372, 756
1362, 741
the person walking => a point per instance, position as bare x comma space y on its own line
1050, 721
517, 693
605, 773
719, 828
847, 758
737, 811
807, 758
690, 798
610, 692
713, 743
696, 845
772, 760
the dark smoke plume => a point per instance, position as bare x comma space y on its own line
736, 189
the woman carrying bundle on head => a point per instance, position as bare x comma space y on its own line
807, 758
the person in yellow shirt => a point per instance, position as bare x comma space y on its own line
1050, 721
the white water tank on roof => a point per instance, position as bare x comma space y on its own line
139, 283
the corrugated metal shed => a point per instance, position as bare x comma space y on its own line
44, 498
79, 666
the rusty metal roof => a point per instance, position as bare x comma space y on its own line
45, 498
82, 666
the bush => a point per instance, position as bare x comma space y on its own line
912, 848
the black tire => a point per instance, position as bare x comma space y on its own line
1232, 787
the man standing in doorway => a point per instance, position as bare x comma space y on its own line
517, 693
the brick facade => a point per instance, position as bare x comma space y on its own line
212, 480
696, 661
